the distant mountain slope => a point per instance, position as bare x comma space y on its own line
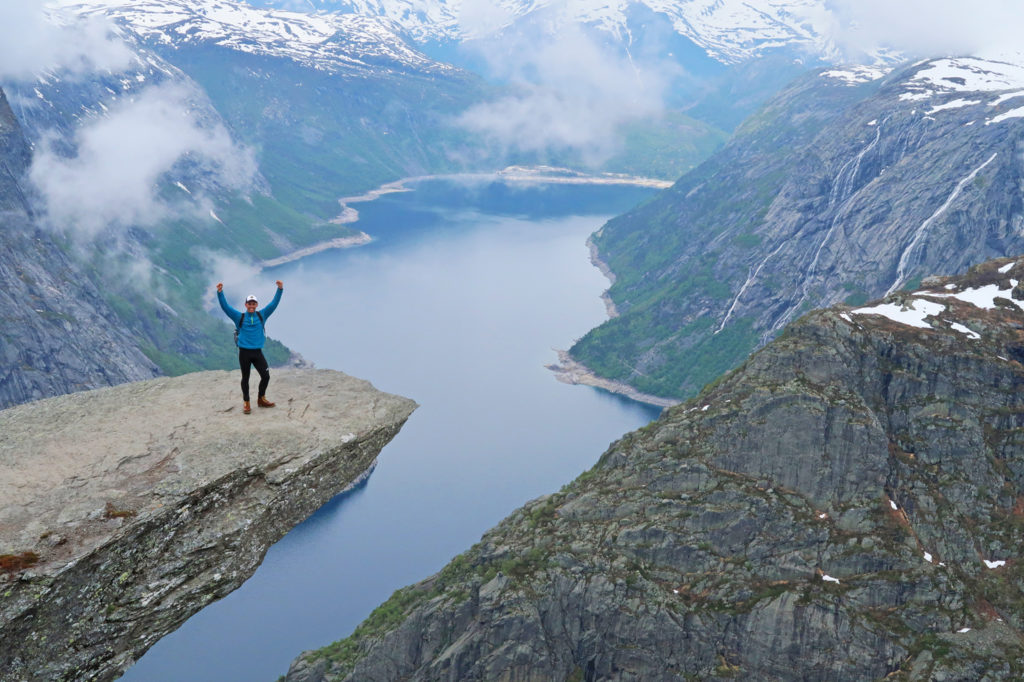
716, 60
845, 506
729, 31
150, 274
333, 104
57, 333
844, 187
326, 41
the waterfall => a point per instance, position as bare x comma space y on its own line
901, 268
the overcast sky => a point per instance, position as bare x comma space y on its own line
929, 27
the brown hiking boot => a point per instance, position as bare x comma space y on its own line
245, 407
263, 402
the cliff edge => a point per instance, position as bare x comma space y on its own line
125, 510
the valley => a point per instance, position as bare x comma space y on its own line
808, 243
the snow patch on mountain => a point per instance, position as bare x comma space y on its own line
913, 313
953, 104
1013, 113
326, 41
737, 30
966, 75
856, 75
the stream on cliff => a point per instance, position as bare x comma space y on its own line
457, 304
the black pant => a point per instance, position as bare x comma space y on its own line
253, 357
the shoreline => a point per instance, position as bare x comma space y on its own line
569, 371
350, 215
336, 243
573, 372
595, 260
541, 175
512, 174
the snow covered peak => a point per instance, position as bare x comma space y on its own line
737, 30
327, 41
728, 30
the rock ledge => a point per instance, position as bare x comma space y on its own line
125, 510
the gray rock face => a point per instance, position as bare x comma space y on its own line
15, 157
830, 193
125, 510
57, 335
845, 506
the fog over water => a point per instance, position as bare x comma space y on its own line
458, 308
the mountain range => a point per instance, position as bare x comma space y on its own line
730, 31
333, 42
327, 104
363, 109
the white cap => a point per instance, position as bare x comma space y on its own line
251, 298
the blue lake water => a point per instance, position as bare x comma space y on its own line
457, 304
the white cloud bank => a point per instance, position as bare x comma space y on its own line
34, 38
572, 93
113, 181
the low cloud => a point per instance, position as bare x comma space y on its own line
482, 18
237, 275
927, 28
34, 38
122, 159
570, 91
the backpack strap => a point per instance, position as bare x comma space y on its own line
241, 319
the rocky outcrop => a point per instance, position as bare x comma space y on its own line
841, 189
847, 505
125, 510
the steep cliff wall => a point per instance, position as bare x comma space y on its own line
57, 334
125, 510
845, 506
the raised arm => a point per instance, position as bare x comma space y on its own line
272, 306
235, 315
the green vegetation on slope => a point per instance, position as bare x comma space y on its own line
320, 136
680, 258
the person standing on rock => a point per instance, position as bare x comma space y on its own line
251, 336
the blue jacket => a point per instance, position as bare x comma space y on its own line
250, 334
